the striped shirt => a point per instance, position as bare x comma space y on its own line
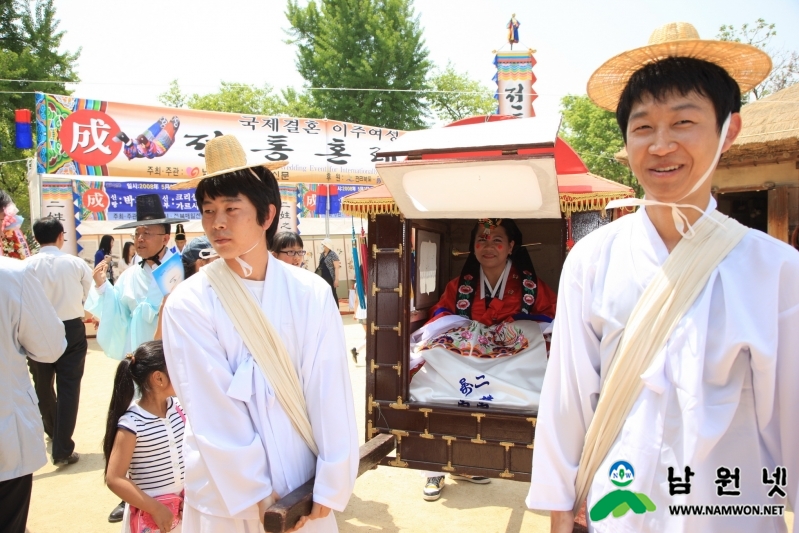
157, 463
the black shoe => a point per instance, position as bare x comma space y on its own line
354, 355
73, 458
121, 137
480, 480
116, 514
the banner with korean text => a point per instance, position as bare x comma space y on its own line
107, 141
515, 81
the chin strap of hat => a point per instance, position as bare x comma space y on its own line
245, 267
208, 253
680, 219
155, 259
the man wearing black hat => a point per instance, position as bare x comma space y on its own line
180, 238
128, 310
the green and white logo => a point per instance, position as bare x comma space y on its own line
619, 501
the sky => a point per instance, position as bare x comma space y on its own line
130, 55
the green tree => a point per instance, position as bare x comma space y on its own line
30, 45
238, 98
785, 71
173, 97
362, 44
453, 95
245, 99
298, 104
595, 136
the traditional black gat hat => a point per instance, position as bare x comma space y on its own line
149, 212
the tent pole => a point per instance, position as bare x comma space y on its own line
327, 215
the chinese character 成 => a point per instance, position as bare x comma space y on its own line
82, 134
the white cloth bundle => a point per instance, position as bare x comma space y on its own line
264, 344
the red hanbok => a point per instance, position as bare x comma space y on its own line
499, 310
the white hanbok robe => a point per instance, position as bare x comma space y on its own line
127, 310
723, 392
239, 444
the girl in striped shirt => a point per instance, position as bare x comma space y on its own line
143, 443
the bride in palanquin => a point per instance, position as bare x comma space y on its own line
484, 343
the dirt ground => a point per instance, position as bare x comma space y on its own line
74, 498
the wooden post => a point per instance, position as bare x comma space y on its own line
778, 213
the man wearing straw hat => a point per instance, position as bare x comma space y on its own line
673, 373
257, 356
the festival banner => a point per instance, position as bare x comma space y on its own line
98, 140
115, 201
515, 81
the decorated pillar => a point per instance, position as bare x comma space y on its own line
515, 81
288, 209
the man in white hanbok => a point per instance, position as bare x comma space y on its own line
128, 310
714, 425
241, 448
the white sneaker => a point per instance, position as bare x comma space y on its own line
480, 480
433, 488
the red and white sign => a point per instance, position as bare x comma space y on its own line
95, 200
87, 136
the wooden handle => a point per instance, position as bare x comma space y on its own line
285, 513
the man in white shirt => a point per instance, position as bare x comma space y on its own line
66, 280
706, 438
29, 327
244, 448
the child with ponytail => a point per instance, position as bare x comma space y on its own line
143, 443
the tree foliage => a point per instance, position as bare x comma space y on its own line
30, 45
595, 136
455, 96
362, 44
173, 97
238, 98
785, 71
244, 99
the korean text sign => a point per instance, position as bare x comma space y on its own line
95, 138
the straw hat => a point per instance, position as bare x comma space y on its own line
223, 155
746, 64
327, 243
